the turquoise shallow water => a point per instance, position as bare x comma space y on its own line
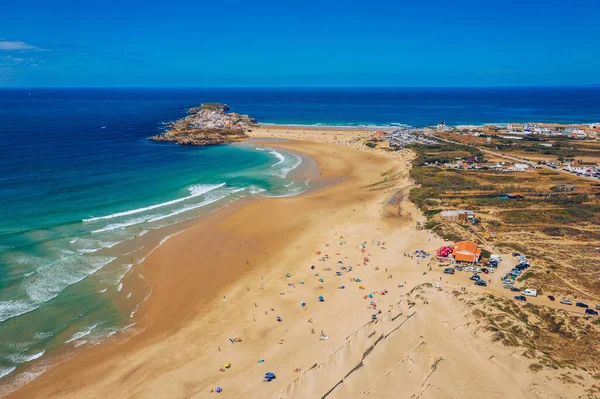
80, 188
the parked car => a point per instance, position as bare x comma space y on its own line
516, 254
486, 271
581, 305
475, 278
449, 271
597, 307
508, 286
551, 298
459, 268
565, 301
520, 298
515, 289
591, 311
478, 270
481, 283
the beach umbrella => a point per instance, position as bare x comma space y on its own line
227, 365
218, 389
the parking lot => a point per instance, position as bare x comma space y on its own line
492, 278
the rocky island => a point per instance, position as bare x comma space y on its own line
208, 124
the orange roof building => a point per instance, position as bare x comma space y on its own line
466, 251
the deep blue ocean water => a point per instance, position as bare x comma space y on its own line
78, 179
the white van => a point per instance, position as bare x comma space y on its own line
529, 292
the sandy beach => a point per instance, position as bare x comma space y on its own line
237, 296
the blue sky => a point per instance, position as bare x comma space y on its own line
299, 43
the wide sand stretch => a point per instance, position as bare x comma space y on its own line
219, 288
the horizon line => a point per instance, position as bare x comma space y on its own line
591, 85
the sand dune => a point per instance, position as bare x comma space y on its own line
424, 349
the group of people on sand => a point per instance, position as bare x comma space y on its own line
335, 270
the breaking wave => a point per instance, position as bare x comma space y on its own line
195, 191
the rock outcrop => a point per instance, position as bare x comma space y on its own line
208, 124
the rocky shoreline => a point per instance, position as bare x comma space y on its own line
208, 124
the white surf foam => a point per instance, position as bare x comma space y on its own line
285, 170
20, 379
294, 191
43, 334
256, 190
90, 245
88, 251
10, 309
4, 371
20, 358
280, 157
200, 205
81, 334
195, 191
119, 226
49, 281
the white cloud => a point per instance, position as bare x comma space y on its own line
15, 46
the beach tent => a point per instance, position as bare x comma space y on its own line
321, 299
269, 377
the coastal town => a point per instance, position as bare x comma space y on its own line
510, 147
